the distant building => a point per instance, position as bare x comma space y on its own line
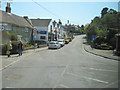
76, 28
63, 33
15, 24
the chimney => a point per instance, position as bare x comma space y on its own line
8, 8
26, 17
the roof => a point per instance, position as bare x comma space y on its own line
41, 22
13, 19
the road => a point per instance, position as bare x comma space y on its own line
67, 67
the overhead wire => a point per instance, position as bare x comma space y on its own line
52, 12
46, 9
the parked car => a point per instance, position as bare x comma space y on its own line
66, 41
61, 42
53, 45
70, 39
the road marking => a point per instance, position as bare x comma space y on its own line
117, 82
9, 87
61, 75
102, 70
88, 78
96, 80
20, 59
14, 62
9, 65
99, 69
64, 86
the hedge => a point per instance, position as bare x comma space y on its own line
4, 48
14, 47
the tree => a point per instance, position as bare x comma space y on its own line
112, 11
104, 11
109, 20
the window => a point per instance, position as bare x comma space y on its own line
51, 28
42, 37
26, 30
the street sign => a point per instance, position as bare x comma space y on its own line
2, 28
93, 37
43, 32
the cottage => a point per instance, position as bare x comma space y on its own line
15, 24
57, 30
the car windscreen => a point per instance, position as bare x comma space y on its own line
51, 43
60, 41
57, 43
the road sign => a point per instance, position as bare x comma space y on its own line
43, 32
55, 31
93, 37
1, 27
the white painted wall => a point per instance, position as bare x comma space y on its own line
36, 36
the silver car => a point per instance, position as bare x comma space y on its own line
53, 45
61, 42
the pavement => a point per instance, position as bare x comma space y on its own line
103, 53
6, 62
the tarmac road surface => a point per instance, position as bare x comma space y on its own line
67, 67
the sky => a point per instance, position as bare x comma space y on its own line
78, 13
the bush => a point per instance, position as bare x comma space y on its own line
14, 47
112, 42
104, 44
3, 49
27, 46
13, 37
99, 40
5, 36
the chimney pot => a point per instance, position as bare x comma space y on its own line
26, 17
8, 8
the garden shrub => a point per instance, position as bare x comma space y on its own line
14, 47
13, 37
99, 40
3, 49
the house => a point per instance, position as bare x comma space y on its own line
63, 33
42, 30
15, 24
57, 30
